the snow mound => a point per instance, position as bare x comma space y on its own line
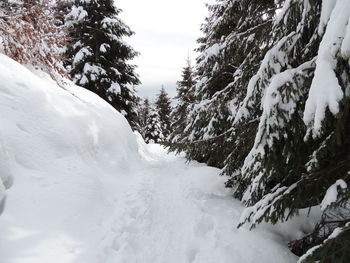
67, 152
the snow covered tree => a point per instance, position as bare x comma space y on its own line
163, 107
144, 115
153, 130
98, 56
300, 157
30, 35
236, 36
62, 8
283, 79
184, 97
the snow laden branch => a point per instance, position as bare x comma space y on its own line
326, 92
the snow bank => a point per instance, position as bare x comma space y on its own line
5, 174
69, 154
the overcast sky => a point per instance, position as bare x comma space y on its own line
166, 32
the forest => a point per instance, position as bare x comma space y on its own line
266, 104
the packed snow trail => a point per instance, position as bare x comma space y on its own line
82, 188
181, 212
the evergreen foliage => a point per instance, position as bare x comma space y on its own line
271, 106
163, 107
236, 35
184, 97
153, 129
145, 111
62, 8
268, 102
297, 159
98, 56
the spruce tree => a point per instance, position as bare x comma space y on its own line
184, 97
145, 111
62, 9
98, 56
236, 36
300, 157
153, 130
163, 107
289, 88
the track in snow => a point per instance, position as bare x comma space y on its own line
181, 213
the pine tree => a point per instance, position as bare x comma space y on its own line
153, 130
163, 107
98, 55
184, 97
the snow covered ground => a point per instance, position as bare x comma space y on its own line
87, 190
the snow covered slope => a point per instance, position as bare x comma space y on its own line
86, 190
68, 155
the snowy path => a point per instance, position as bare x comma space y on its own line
85, 190
165, 211
182, 213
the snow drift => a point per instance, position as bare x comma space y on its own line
67, 152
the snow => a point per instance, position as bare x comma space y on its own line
270, 124
332, 194
93, 71
76, 15
282, 12
63, 148
81, 55
336, 232
109, 22
115, 88
325, 91
6, 176
181, 213
211, 51
274, 59
86, 189
104, 48
345, 48
326, 11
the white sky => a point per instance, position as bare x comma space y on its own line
166, 32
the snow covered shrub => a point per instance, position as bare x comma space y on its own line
30, 35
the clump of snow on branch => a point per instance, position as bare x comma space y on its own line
333, 193
325, 91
